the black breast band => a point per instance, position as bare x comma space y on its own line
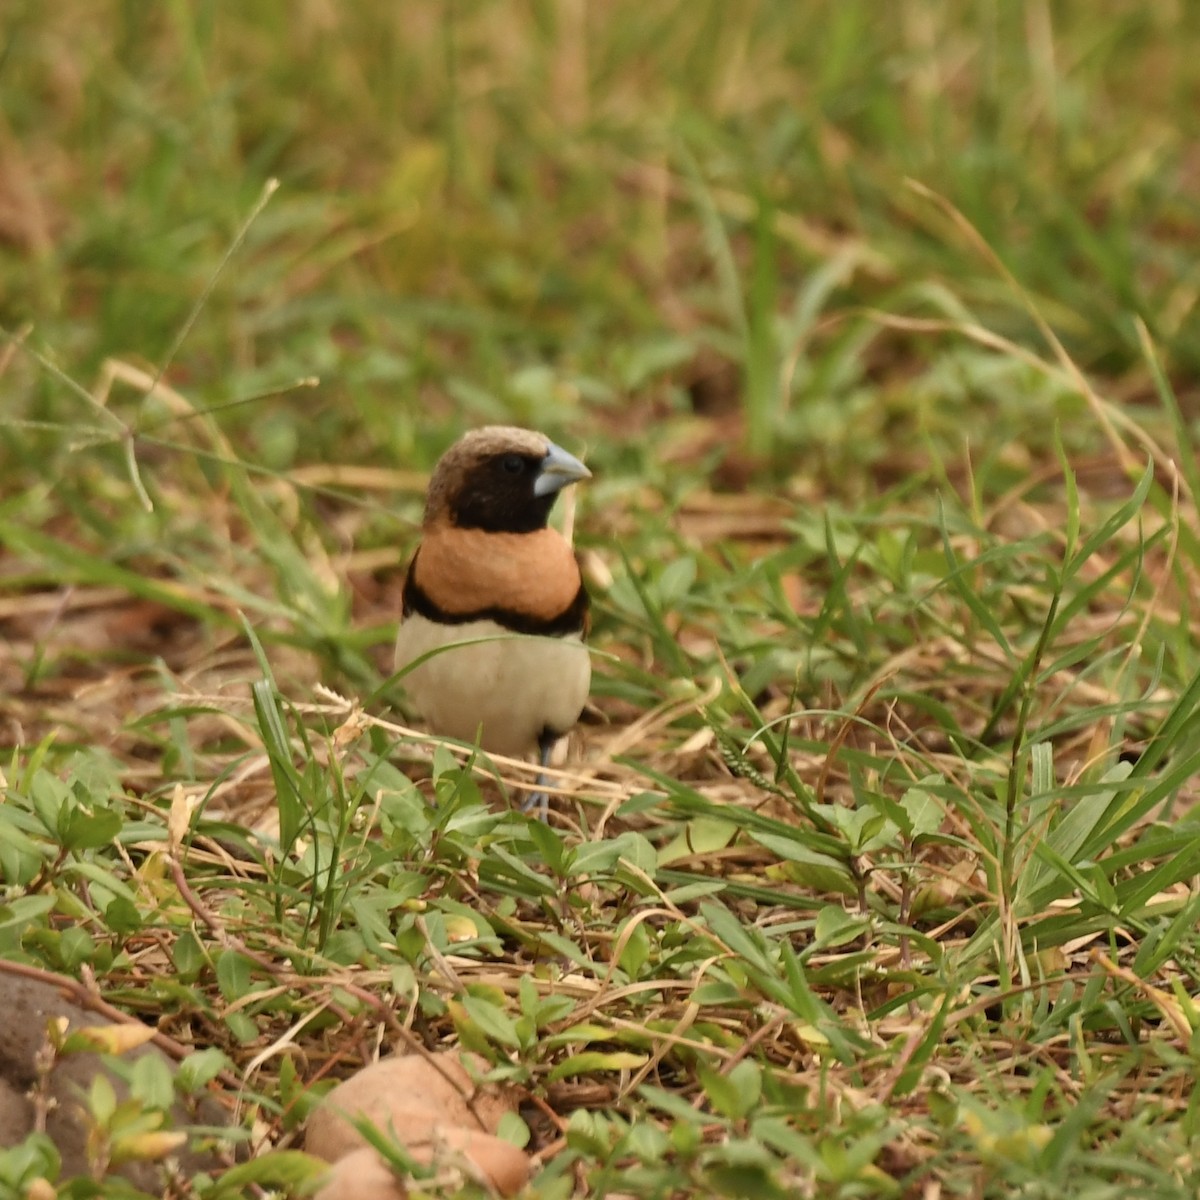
572, 619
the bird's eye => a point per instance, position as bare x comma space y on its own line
512, 464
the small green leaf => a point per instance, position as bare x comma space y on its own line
584, 1032
734, 1094
152, 1082
76, 946
493, 1021
745, 1179
25, 912
835, 927
595, 858
924, 810
550, 847
123, 916
713, 993
102, 1100
188, 955
793, 849
242, 1026
587, 1134
636, 851
286, 1169
648, 1141
512, 1129
675, 582
201, 1067
233, 974
85, 830
700, 836
636, 950
746, 1077
590, 1061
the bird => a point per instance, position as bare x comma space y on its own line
494, 609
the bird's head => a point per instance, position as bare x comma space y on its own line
500, 479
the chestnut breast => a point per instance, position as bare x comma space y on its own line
465, 571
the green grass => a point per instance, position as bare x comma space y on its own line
880, 333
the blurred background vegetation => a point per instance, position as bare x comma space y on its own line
598, 215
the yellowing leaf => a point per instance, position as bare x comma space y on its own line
147, 1147
460, 928
179, 818
108, 1039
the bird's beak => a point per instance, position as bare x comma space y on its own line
559, 469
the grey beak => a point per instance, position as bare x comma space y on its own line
559, 469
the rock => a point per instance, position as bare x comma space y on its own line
28, 1005
436, 1084
361, 1175
433, 1108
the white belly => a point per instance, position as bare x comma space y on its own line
506, 690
